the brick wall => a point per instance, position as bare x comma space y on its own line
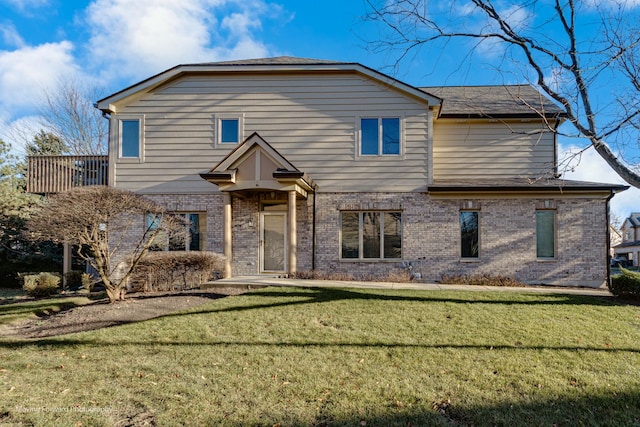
431, 237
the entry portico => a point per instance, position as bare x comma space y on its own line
256, 168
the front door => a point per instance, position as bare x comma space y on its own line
273, 244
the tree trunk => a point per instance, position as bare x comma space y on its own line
116, 294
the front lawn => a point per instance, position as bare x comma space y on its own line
331, 357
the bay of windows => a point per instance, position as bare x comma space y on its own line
371, 235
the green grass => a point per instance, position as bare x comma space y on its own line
333, 357
14, 305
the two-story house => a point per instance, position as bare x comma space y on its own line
629, 248
288, 164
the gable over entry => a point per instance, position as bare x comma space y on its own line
255, 166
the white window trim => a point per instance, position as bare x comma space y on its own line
217, 118
359, 155
140, 119
361, 257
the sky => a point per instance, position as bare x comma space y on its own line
115, 43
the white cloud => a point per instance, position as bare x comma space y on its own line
10, 36
19, 132
24, 5
592, 167
137, 39
25, 72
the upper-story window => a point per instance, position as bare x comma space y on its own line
131, 137
380, 136
229, 128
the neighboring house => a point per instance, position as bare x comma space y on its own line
629, 248
288, 164
615, 238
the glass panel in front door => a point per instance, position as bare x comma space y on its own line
273, 249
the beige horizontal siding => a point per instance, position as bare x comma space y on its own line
482, 149
309, 119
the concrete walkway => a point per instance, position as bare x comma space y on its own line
276, 281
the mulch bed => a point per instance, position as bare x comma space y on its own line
101, 314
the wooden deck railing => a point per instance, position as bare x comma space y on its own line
55, 174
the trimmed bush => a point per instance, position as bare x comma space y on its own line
480, 280
171, 271
626, 285
396, 276
77, 280
42, 284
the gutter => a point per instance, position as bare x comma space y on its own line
519, 188
608, 237
313, 232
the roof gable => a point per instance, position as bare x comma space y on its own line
283, 64
633, 220
249, 147
256, 165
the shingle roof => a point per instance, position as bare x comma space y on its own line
493, 101
277, 60
627, 244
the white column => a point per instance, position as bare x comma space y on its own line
292, 234
228, 236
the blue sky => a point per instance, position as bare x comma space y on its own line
114, 43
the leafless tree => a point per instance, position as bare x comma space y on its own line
583, 54
68, 113
105, 223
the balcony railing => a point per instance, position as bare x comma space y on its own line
55, 174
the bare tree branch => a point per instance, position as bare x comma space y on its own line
69, 114
103, 221
608, 57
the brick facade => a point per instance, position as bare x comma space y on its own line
431, 237
430, 234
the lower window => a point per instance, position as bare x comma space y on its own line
191, 240
545, 234
371, 235
469, 234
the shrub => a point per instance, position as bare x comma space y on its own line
484, 279
626, 285
164, 271
77, 279
42, 284
397, 276
12, 271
